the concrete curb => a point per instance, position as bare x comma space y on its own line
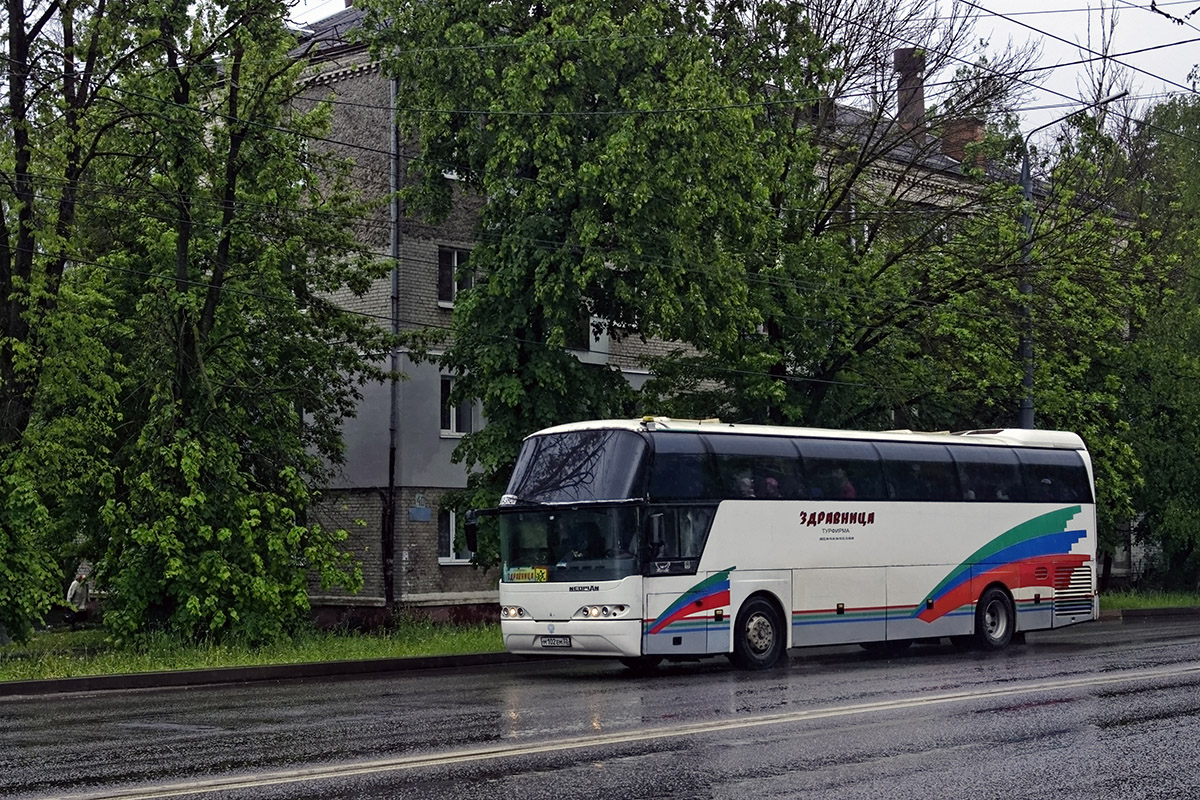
1134, 614
282, 672
218, 675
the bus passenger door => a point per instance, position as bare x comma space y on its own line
838, 605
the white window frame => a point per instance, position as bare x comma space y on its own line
597, 350
454, 557
454, 431
460, 254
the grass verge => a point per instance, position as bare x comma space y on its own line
69, 654
1130, 600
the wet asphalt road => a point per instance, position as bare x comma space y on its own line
1105, 710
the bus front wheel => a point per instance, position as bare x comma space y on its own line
759, 636
995, 620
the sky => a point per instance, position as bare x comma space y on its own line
308, 10
1060, 26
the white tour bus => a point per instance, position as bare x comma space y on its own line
661, 538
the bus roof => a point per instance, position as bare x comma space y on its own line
1018, 437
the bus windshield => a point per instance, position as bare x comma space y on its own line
579, 466
570, 544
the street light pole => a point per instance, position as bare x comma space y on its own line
1026, 286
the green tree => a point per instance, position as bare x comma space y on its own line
613, 157
1162, 372
885, 254
1094, 280
235, 245
57, 396
817, 257
889, 297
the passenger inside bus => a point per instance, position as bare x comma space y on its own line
843, 488
584, 541
626, 547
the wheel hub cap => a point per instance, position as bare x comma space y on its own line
759, 633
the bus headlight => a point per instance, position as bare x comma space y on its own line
596, 612
513, 612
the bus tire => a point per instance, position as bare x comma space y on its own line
995, 620
759, 638
642, 665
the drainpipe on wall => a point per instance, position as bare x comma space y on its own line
388, 547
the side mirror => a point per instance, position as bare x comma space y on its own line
471, 530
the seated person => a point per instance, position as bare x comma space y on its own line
584, 542
844, 488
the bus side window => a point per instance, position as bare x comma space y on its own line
682, 469
679, 533
988, 474
1054, 476
756, 466
920, 472
841, 469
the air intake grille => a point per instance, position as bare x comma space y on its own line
1072, 591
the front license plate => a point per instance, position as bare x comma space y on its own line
556, 641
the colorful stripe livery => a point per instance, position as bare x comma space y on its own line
826, 616
710, 593
1022, 556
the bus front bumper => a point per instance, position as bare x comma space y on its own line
577, 637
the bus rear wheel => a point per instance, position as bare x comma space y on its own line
758, 635
995, 620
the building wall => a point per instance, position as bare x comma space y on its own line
421, 579
361, 130
423, 453
360, 514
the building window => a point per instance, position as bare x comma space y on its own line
456, 420
453, 277
449, 552
579, 334
587, 338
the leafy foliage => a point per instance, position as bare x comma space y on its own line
1162, 372
242, 364
814, 260
57, 396
27, 571
612, 154
173, 399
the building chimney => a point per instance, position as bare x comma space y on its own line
910, 93
959, 133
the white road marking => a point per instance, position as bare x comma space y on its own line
260, 780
